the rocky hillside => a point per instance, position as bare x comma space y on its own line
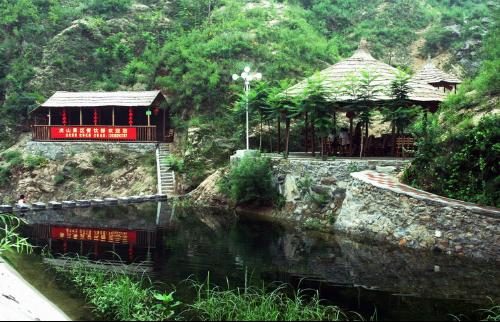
82, 176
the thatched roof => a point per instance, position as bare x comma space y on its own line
430, 74
333, 78
99, 99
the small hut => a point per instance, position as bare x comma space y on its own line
103, 116
434, 76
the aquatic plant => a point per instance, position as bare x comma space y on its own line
213, 303
491, 314
120, 297
10, 238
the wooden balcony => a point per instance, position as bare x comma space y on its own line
142, 133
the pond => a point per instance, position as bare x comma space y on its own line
173, 244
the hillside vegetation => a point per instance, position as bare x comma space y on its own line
189, 49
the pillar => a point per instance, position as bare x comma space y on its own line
130, 116
113, 117
95, 117
81, 117
50, 116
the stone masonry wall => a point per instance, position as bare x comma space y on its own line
314, 190
378, 208
58, 150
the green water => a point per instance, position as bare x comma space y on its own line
398, 284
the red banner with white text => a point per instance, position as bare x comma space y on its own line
94, 133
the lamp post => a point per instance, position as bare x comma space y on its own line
247, 77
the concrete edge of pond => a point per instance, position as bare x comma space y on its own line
81, 203
20, 301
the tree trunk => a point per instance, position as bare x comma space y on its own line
260, 136
366, 138
270, 136
323, 152
279, 135
393, 138
307, 134
313, 139
287, 136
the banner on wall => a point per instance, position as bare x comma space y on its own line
93, 133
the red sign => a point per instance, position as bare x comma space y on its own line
94, 133
94, 234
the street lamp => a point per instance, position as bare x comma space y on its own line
247, 77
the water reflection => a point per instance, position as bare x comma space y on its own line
178, 243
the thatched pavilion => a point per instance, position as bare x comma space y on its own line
434, 76
335, 78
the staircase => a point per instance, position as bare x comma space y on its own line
166, 178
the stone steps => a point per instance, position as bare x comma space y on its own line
165, 174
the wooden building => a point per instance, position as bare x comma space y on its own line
103, 116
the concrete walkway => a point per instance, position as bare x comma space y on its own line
19, 301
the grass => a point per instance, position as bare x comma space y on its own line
10, 240
213, 303
119, 297
491, 314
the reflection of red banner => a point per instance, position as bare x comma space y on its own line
94, 234
93, 133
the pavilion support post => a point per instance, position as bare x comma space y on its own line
50, 116
279, 135
307, 133
393, 138
113, 117
426, 134
81, 117
313, 133
287, 136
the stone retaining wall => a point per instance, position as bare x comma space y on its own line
314, 190
379, 208
58, 150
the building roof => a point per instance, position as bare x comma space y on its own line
430, 74
334, 76
101, 99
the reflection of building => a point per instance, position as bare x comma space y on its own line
115, 233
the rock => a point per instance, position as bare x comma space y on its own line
110, 201
321, 190
6, 208
68, 204
55, 205
38, 206
83, 203
161, 197
97, 202
385, 169
124, 200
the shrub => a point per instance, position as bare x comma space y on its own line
108, 162
174, 163
14, 158
250, 181
59, 179
462, 166
35, 161
4, 175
